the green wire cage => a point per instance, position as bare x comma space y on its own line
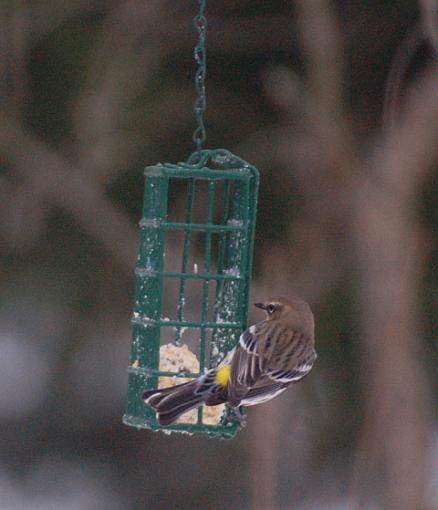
227, 189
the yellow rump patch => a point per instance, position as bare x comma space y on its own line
223, 375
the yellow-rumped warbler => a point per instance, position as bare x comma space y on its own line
270, 356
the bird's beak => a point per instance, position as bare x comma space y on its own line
260, 305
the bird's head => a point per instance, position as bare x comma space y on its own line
294, 309
273, 308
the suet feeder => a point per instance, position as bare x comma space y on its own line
225, 275
225, 189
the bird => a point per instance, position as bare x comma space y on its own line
270, 356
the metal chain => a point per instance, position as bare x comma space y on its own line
200, 24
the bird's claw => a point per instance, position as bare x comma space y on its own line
238, 417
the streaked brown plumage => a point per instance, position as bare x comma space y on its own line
270, 356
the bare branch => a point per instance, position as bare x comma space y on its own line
429, 22
53, 178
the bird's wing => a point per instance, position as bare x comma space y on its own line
247, 364
275, 381
292, 364
266, 363
263, 391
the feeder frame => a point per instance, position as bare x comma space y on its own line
231, 272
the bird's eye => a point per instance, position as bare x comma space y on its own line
270, 308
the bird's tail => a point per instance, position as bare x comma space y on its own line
170, 403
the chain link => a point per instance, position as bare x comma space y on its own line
200, 54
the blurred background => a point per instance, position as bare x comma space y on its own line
337, 104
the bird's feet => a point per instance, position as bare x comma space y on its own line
238, 417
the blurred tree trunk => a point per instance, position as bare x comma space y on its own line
264, 450
376, 198
393, 450
396, 425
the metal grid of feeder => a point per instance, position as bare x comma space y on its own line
229, 188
